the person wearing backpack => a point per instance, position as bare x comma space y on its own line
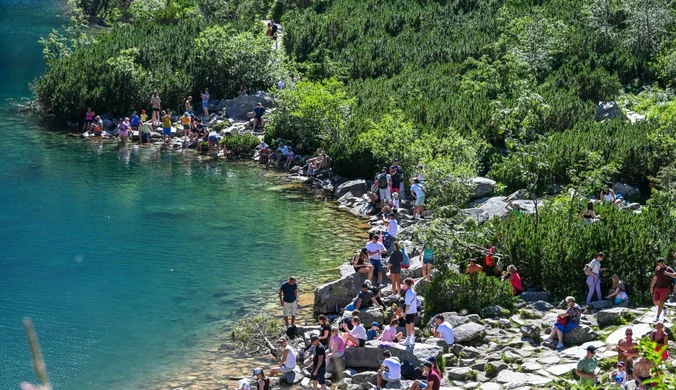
418, 193
397, 175
384, 181
593, 271
262, 383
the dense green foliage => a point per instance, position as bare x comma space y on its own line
244, 144
451, 291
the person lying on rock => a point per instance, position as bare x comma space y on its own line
566, 322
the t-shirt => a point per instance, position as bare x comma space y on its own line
516, 282
396, 175
389, 333
446, 332
575, 313
375, 247
411, 301
284, 150
359, 332
338, 344
663, 281
320, 356
155, 101
371, 334
185, 120
595, 266
365, 297
393, 229
433, 380
144, 117
259, 111
290, 358
205, 98
395, 261
134, 120
325, 329
383, 180
417, 190
145, 128
289, 292
166, 122
393, 368
280, 84
588, 366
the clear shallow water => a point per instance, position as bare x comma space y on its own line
128, 260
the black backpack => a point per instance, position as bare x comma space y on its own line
627, 288
266, 386
292, 332
407, 370
382, 181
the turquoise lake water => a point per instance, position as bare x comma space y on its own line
125, 259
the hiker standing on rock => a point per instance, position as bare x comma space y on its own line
397, 175
660, 287
155, 103
593, 271
205, 102
411, 302
375, 249
661, 339
288, 299
395, 260
384, 182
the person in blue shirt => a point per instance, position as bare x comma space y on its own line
259, 110
135, 121
288, 299
372, 334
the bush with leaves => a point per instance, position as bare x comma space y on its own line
241, 144
450, 291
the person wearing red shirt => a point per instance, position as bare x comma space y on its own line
660, 287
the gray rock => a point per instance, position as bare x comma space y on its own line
340, 292
368, 316
534, 296
600, 305
364, 377
611, 316
371, 355
363, 209
344, 383
357, 187
492, 311
482, 186
607, 110
541, 306
345, 199
460, 373
635, 117
625, 190
239, 107
452, 318
466, 333
530, 331
580, 335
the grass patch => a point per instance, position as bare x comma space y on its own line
529, 314
491, 370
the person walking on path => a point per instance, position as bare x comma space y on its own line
419, 194
411, 302
205, 102
395, 260
660, 286
375, 249
155, 103
428, 261
594, 277
288, 299
318, 364
587, 368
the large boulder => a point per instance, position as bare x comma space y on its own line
600, 305
607, 110
625, 190
466, 333
363, 209
534, 296
482, 186
357, 187
338, 293
239, 107
371, 355
369, 316
364, 377
611, 316
580, 335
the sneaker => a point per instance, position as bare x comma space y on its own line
548, 340
393, 296
560, 346
657, 318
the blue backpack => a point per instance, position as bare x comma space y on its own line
406, 262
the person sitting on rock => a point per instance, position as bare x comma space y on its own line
620, 374
608, 195
288, 360
290, 159
376, 293
263, 153
283, 151
357, 336
442, 329
262, 383
432, 378
336, 345
391, 206
626, 349
365, 298
372, 334
346, 324
566, 322
590, 216
389, 371
361, 264
617, 293
661, 340
390, 334
473, 267
258, 111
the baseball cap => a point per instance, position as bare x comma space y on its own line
432, 359
591, 349
364, 285
314, 338
660, 260
395, 195
377, 325
258, 370
367, 282
620, 364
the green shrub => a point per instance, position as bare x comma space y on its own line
450, 291
241, 144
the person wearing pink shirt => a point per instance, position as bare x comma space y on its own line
514, 279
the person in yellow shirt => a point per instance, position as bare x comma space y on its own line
166, 127
186, 119
144, 116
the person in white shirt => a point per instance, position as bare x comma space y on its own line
392, 231
357, 336
443, 330
288, 359
375, 249
389, 371
411, 310
281, 84
419, 194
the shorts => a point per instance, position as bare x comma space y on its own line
155, 109
428, 261
661, 294
88, 121
123, 133
134, 127
146, 137
395, 270
166, 131
377, 265
422, 384
643, 379
186, 127
362, 342
420, 201
290, 308
284, 369
320, 377
212, 139
410, 318
384, 193
387, 378
205, 104
565, 329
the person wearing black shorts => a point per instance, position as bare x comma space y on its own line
318, 364
411, 310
